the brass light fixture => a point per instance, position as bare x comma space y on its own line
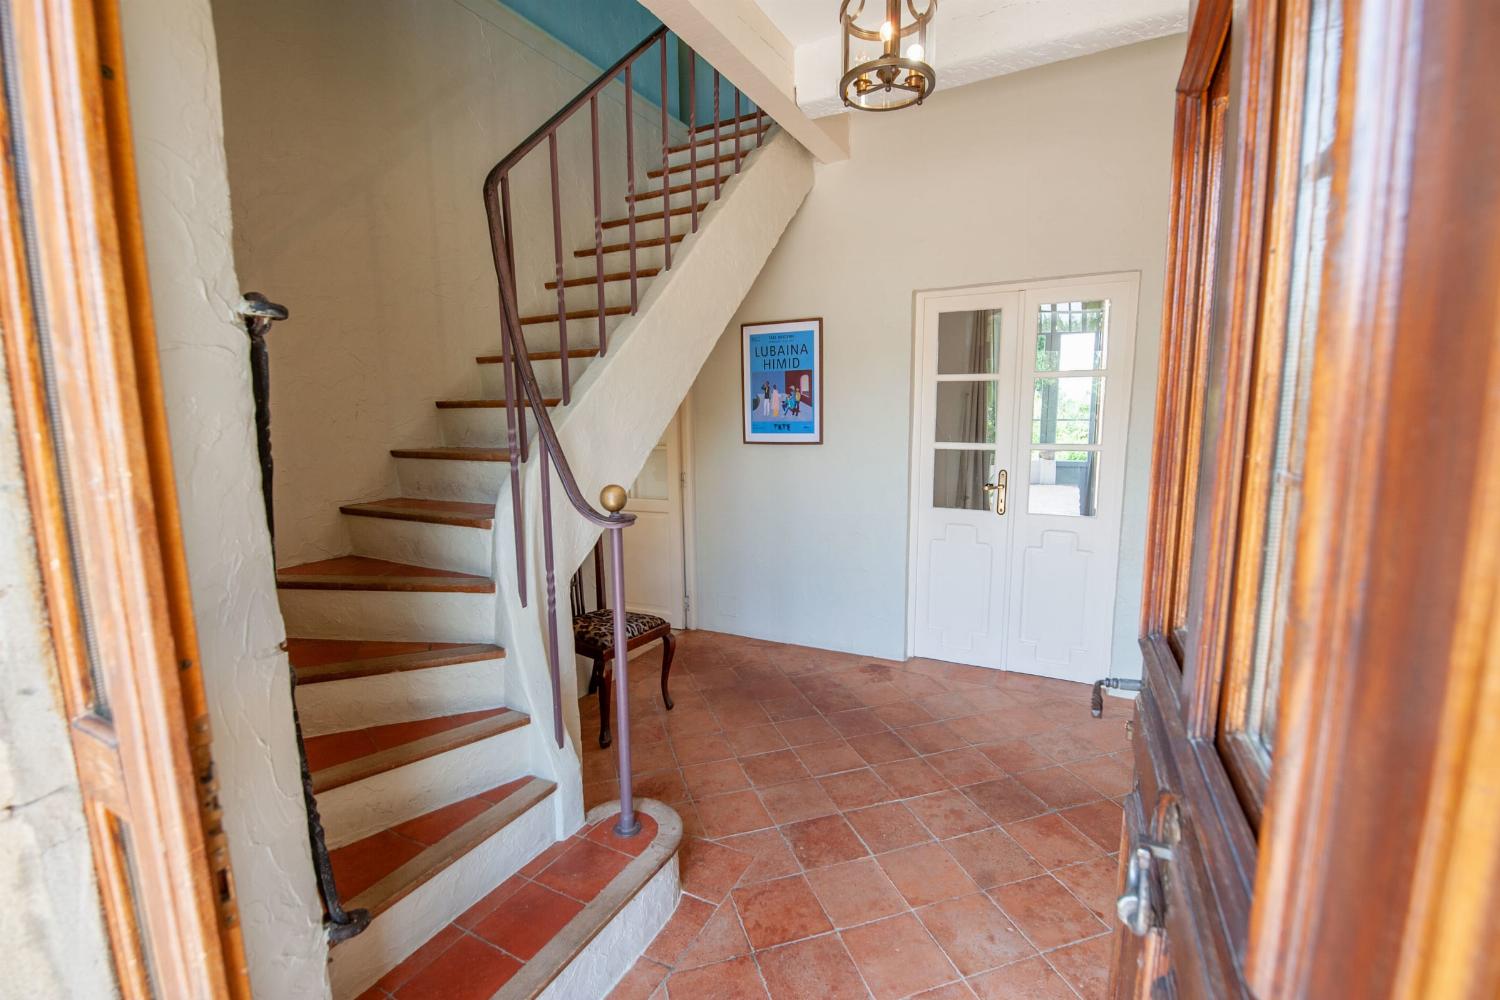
887, 65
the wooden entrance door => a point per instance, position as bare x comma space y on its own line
1316, 742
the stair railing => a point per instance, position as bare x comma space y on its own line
522, 392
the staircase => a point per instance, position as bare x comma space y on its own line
433, 680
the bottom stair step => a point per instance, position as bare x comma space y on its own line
569, 924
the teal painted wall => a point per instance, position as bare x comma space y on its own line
604, 30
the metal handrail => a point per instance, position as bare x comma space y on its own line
520, 376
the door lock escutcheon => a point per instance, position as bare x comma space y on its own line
999, 487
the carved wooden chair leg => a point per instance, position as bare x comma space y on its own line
605, 683
668, 647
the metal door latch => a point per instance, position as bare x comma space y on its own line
1138, 907
1096, 697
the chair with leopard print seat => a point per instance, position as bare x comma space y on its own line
594, 637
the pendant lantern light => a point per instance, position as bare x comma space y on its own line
887, 55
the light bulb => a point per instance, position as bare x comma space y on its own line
887, 31
915, 52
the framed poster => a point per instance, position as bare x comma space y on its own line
781, 367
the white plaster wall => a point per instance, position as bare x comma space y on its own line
50, 921
359, 133
1060, 170
173, 78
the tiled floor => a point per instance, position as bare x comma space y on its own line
859, 827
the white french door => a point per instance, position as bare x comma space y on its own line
654, 558
1022, 408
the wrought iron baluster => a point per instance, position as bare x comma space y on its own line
598, 222
557, 245
716, 135
630, 180
666, 174
693, 134
736, 130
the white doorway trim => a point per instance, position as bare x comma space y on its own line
924, 303
689, 514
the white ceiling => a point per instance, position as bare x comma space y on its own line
975, 39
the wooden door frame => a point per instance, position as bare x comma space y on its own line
81, 352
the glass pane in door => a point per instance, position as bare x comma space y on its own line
1064, 483
1066, 410
969, 342
1070, 336
959, 477
967, 411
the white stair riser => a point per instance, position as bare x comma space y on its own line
358, 963
601, 963
444, 479
548, 376
420, 543
397, 616
405, 696
475, 427
354, 811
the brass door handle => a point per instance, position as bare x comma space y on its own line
999, 488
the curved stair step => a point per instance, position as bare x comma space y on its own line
449, 454
340, 759
450, 512
365, 573
317, 661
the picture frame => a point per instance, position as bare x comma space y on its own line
781, 381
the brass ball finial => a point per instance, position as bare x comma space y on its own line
613, 498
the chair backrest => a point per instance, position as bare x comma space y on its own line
575, 589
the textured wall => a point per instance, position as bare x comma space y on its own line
174, 93
359, 133
1062, 170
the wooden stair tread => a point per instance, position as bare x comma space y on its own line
573, 352
593, 279
338, 759
729, 122
404, 857
654, 241
317, 660
577, 313
452, 512
624, 220
447, 454
675, 168
364, 573
708, 139
482, 404
674, 189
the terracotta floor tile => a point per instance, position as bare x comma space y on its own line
827, 840
742, 716
643, 979
420, 959
737, 812
974, 933
1099, 821
911, 777
856, 789
964, 767
986, 727
715, 778
991, 857
735, 980
887, 827
1029, 979
527, 920
926, 874
773, 858
775, 768
359, 865
1015, 755
583, 870
700, 748
948, 814
470, 917
797, 800
1058, 787
1111, 776
710, 870
755, 739
1095, 883
897, 957
779, 911
721, 939
1063, 745
817, 967
599, 792
881, 748
857, 722
1085, 966
855, 892
933, 737
1005, 800
1046, 912
603, 833
652, 757
664, 786
829, 757
434, 826
470, 970
786, 709
682, 928
1052, 840
533, 867
800, 732
951, 991
903, 714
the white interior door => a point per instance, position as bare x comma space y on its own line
654, 569
965, 404
1068, 487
